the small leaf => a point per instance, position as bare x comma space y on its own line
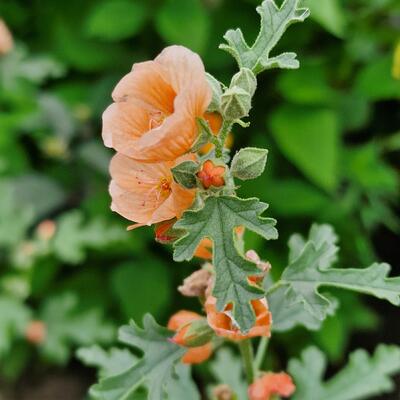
116, 20
274, 22
363, 377
185, 174
249, 163
217, 220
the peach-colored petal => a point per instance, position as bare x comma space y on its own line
146, 193
223, 324
158, 102
6, 40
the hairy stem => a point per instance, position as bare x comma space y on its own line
223, 133
246, 351
262, 348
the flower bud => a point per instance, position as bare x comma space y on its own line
165, 233
46, 229
35, 332
194, 334
246, 80
235, 103
211, 175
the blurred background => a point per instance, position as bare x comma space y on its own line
70, 273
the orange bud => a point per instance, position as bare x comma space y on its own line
223, 392
269, 384
35, 332
164, 232
211, 175
180, 322
46, 229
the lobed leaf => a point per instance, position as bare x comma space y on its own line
155, 370
362, 378
217, 221
274, 22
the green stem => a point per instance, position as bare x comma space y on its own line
262, 348
223, 133
246, 351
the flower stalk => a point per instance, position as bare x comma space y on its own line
246, 351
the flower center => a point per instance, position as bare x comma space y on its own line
164, 186
156, 119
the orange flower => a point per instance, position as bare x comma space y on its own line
154, 115
6, 40
147, 193
179, 322
211, 175
269, 384
224, 325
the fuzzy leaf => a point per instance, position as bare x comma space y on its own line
274, 22
154, 371
217, 221
362, 378
310, 267
185, 174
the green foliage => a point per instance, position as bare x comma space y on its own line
116, 20
362, 378
72, 238
184, 22
274, 22
68, 325
155, 370
185, 174
217, 220
309, 139
310, 267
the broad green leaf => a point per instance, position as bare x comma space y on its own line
109, 363
217, 221
67, 326
154, 296
184, 22
376, 82
310, 267
155, 370
364, 377
227, 369
73, 236
14, 318
330, 14
309, 138
116, 20
274, 22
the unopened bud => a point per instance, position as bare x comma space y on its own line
223, 392
195, 285
235, 103
36, 332
246, 80
46, 230
194, 334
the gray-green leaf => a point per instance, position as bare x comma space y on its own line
185, 174
274, 22
363, 377
217, 221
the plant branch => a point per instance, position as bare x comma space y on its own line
246, 350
